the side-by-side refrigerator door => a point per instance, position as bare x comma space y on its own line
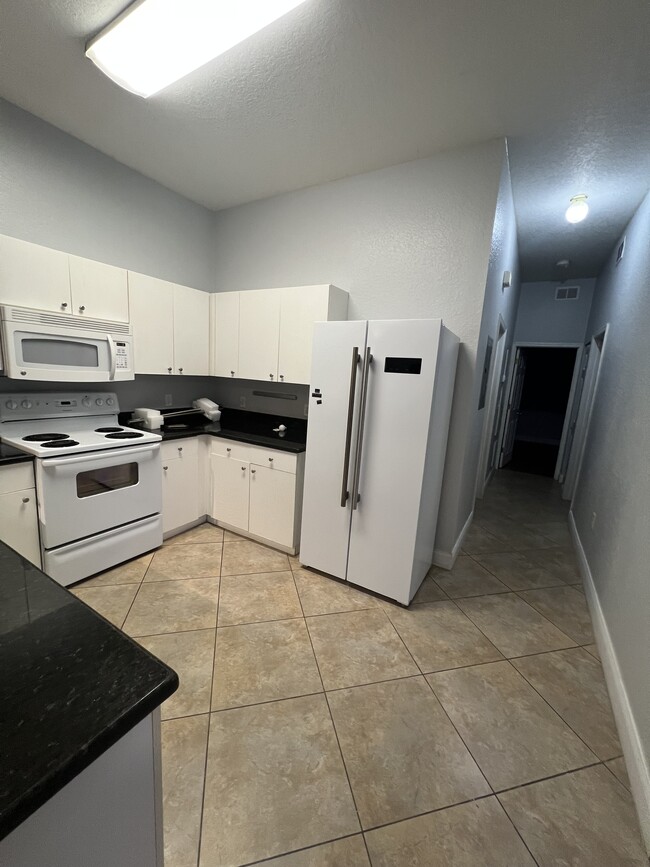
338, 350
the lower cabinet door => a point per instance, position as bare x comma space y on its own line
230, 491
272, 504
19, 524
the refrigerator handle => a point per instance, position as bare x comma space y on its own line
348, 433
367, 361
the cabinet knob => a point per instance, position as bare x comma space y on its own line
64, 304
165, 468
253, 471
82, 308
243, 468
180, 369
282, 377
232, 372
169, 370
180, 448
25, 499
228, 449
271, 460
270, 376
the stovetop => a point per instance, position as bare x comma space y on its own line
70, 440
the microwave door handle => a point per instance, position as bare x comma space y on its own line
112, 356
367, 361
348, 432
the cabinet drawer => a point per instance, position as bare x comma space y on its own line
16, 477
285, 461
181, 448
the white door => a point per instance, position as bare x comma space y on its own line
174, 491
224, 334
259, 334
151, 304
99, 291
300, 308
272, 503
19, 524
230, 492
390, 454
333, 410
33, 276
191, 331
512, 413
573, 417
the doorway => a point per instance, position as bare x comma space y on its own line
542, 382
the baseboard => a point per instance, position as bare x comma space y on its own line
446, 559
637, 767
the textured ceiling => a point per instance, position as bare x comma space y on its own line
339, 87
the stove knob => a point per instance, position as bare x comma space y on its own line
99, 401
109, 401
26, 404
11, 404
86, 401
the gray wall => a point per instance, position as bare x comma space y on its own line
615, 477
57, 191
408, 241
542, 319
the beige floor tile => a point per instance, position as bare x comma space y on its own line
429, 591
229, 536
275, 782
358, 647
584, 819
479, 541
556, 531
184, 743
112, 602
560, 562
513, 626
294, 561
440, 636
174, 606
263, 662
566, 607
469, 835
349, 852
402, 754
468, 578
321, 595
191, 655
204, 533
515, 536
572, 682
131, 572
593, 650
257, 597
618, 768
244, 558
511, 731
181, 561
517, 571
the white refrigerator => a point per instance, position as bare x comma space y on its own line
380, 402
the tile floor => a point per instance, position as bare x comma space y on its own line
317, 726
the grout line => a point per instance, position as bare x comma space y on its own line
303, 849
549, 777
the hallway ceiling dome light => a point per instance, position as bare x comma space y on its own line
578, 209
154, 43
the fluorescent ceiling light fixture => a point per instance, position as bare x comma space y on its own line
578, 209
155, 42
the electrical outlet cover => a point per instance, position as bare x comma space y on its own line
242, 402
169, 400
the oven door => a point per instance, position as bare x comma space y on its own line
81, 495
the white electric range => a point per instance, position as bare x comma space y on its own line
98, 483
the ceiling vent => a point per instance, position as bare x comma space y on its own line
567, 293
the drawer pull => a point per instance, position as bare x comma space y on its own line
228, 449
25, 499
180, 448
244, 468
271, 460
253, 471
165, 468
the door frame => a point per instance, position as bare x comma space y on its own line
496, 377
527, 344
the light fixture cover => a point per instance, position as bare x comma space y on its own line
155, 42
578, 209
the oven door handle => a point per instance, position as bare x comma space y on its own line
112, 356
92, 457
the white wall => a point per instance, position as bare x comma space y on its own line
408, 241
542, 319
615, 478
57, 191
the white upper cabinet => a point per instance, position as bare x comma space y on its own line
151, 303
99, 291
300, 307
224, 334
33, 276
259, 334
191, 331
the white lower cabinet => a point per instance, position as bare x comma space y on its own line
18, 511
230, 491
181, 493
272, 504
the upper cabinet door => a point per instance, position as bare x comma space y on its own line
191, 331
259, 332
33, 276
224, 334
301, 306
151, 303
99, 291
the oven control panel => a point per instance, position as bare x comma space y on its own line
37, 405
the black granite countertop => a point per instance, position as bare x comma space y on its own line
10, 455
71, 685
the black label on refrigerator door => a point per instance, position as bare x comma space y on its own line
403, 365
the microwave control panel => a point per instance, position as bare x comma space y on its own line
121, 355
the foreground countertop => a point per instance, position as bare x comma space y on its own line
10, 455
71, 685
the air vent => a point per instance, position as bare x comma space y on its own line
567, 293
620, 251
65, 323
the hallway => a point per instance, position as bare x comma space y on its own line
331, 728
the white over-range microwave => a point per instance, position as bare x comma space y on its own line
55, 347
